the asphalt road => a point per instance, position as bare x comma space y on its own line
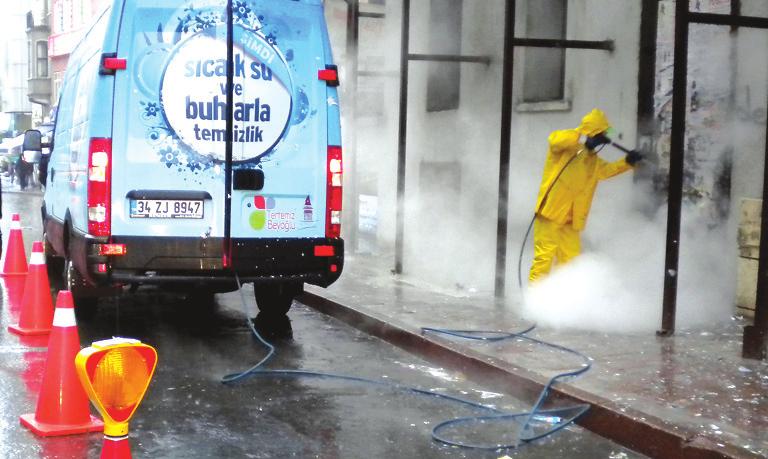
189, 413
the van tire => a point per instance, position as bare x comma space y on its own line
275, 300
85, 306
53, 263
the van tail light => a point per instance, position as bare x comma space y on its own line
333, 193
100, 187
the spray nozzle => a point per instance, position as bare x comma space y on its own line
633, 156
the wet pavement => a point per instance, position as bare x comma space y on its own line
693, 386
188, 412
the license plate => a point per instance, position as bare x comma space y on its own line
166, 208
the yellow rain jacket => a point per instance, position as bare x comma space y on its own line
571, 196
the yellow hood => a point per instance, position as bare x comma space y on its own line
560, 141
594, 123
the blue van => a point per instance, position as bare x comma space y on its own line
143, 186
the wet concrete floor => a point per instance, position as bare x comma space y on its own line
694, 382
188, 412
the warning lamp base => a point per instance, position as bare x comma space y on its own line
115, 448
43, 429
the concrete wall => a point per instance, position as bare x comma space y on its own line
455, 247
750, 117
452, 166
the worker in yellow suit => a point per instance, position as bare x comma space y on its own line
570, 177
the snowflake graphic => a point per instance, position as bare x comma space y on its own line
170, 157
195, 166
151, 109
241, 10
196, 20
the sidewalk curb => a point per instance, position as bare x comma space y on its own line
31, 193
629, 427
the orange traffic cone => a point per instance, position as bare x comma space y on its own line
15, 256
62, 405
36, 305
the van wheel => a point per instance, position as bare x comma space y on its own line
53, 264
274, 300
85, 306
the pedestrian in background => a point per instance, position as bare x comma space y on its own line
24, 170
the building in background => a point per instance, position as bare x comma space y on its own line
39, 74
68, 20
14, 104
451, 157
452, 136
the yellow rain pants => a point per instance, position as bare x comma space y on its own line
552, 242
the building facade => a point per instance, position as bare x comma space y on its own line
14, 103
68, 19
452, 137
39, 73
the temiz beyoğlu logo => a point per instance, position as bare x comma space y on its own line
258, 218
194, 94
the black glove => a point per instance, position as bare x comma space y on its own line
596, 141
633, 157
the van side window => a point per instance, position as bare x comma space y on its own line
64, 115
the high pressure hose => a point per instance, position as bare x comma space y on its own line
559, 418
533, 219
556, 419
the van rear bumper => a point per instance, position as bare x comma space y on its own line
197, 260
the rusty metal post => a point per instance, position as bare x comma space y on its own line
676, 166
504, 149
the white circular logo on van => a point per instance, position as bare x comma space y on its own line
194, 95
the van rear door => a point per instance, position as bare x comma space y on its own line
169, 123
164, 183
280, 122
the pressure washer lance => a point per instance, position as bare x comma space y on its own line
624, 149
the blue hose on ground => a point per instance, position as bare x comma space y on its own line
565, 416
562, 417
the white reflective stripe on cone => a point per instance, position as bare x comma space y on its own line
64, 317
37, 258
16, 225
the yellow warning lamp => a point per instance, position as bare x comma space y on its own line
115, 374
